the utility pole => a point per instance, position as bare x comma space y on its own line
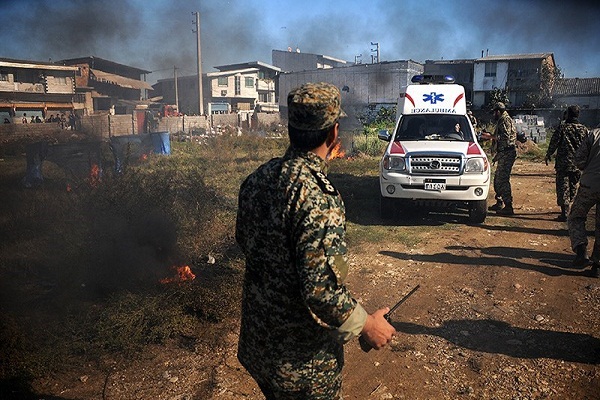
199, 53
376, 50
176, 89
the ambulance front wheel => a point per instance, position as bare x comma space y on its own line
477, 211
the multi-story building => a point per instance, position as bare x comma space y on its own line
244, 87
521, 75
105, 85
461, 70
236, 88
34, 89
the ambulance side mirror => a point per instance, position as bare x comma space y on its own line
384, 135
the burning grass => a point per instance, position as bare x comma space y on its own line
81, 269
95, 272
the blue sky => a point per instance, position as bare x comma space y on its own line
157, 35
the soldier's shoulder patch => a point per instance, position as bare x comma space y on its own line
324, 183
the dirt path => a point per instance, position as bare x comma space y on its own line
500, 313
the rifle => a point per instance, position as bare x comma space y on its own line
366, 347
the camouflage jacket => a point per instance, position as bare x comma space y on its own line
296, 310
565, 141
505, 133
587, 159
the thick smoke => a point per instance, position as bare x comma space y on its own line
157, 35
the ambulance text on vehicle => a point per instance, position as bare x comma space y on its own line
433, 156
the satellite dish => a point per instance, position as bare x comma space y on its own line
290, 49
297, 50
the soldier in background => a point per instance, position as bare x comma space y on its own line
505, 153
565, 141
587, 159
296, 310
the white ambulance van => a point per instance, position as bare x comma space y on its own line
433, 157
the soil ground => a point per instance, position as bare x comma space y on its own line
500, 314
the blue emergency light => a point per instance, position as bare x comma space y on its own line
432, 79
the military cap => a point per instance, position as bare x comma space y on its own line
573, 111
499, 106
314, 106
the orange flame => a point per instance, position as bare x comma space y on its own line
94, 177
337, 151
184, 273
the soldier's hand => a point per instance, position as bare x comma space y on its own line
547, 159
486, 135
377, 331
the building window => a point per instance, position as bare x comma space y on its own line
490, 69
222, 81
263, 97
249, 81
4, 76
238, 84
223, 93
261, 74
61, 80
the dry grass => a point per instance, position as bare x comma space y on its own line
80, 270
86, 264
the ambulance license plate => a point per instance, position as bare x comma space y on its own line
435, 184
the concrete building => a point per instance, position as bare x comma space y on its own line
585, 92
364, 87
293, 61
36, 89
244, 87
521, 74
461, 70
108, 86
187, 93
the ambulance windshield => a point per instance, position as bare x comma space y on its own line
434, 127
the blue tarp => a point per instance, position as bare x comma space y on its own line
132, 147
161, 141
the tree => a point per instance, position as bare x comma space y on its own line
549, 74
498, 95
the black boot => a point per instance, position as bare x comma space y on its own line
506, 210
563, 214
496, 207
581, 259
595, 272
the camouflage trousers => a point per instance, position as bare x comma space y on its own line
317, 377
331, 392
505, 160
566, 186
583, 202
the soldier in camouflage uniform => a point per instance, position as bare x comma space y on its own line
296, 311
587, 159
504, 147
565, 141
